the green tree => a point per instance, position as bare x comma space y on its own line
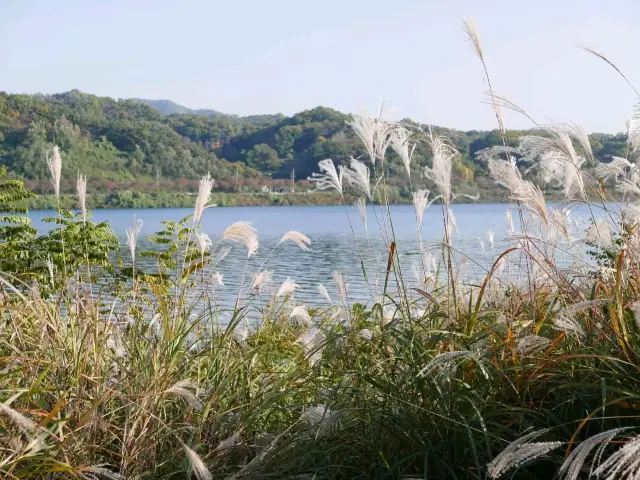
263, 157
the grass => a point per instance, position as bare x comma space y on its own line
529, 371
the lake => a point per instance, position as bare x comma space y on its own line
332, 241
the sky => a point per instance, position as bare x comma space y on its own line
285, 56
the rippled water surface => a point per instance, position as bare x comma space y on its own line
334, 232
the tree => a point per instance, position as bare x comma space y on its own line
263, 157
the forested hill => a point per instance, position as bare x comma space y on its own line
132, 143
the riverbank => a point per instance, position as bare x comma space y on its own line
134, 199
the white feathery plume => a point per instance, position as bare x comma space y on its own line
220, 254
196, 464
203, 242
300, 239
420, 203
287, 287
49, 263
617, 167
227, 443
341, 285
491, 237
181, 389
599, 233
520, 452
132, 236
623, 464
361, 205
443, 362
400, 143
572, 467
633, 137
530, 344
311, 343
358, 177
300, 316
509, 219
560, 220
261, 280
568, 325
25, 425
243, 232
505, 173
81, 186
217, 279
316, 415
557, 157
481, 243
374, 132
443, 156
322, 290
101, 472
204, 195
330, 176
55, 169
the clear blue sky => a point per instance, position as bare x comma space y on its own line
267, 56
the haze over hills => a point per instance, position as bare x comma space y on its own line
158, 145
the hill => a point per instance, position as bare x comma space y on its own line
130, 145
167, 107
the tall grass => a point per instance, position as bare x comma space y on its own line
529, 371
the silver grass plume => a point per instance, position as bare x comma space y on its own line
81, 186
316, 415
530, 344
181, 389
491, 239
55, 169
330, 176
557, 158
300, 316
322, 290
443, 156
446, 363
374, 132
25, 425
633, 137
101, 472
311, 342
573, 466
566, 317
361, 205
624, 464
245, 233
217, 279
196, 464
261, 280
599, 233
287, 288
227, 443
508, 217
404, 149
505, 173
341, 285
617, 167
420, 204
132, 236
203, 242
300, 239
358, 177
520, 452
204, 195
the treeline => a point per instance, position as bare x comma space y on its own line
132, 145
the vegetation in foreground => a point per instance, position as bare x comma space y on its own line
530, 372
